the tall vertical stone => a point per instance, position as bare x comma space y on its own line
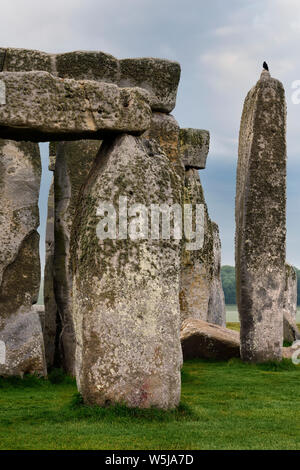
201, 292
261, 220
20, 327
216, 306
50, 319
126, 291
290, 329
73, 162
196, 265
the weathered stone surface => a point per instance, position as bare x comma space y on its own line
290, 330
197, 265
261, 220
41, 107
73, 163
88, 65
216, 305
203, 340
24, 348
159, 76
20, 327
125, 292
165, 130
2, 57
194, 147
51, 313
27, 60
52, 156
292, 351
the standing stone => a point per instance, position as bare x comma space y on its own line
216, 306
125, 292
20, 326
50, 319
197, 265
165, 130
261, 220
73, 163
201, 291
290, 330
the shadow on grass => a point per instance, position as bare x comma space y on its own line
120, 411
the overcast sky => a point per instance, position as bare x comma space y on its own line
220, 46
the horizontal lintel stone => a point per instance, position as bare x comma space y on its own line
41, 107
160, 77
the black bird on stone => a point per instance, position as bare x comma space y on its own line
265, 66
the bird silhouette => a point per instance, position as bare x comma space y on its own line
265, 66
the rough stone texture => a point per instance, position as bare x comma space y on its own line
194, 147
158, 76
52, 156
41, 107
88, 65
197, 265
125, 292
73, 163
291, 351
20, 326
203, 340
261, 220
216, 306
290, 330
26, 60
50, 320
165, 130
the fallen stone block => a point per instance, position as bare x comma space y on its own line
203, 340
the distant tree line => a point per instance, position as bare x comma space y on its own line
228, 281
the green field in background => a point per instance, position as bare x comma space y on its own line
233, 316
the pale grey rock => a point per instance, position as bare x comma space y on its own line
40, 310
290, 329
197, 266
261, 221
41, 107
194, 147
159, 77
88, 65
73, 163
164, 129
24, 347
203, 340
20, 325
216, 306
125, 292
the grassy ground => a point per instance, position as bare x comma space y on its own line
225, 405
233, 316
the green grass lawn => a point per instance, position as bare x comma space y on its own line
225, 405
